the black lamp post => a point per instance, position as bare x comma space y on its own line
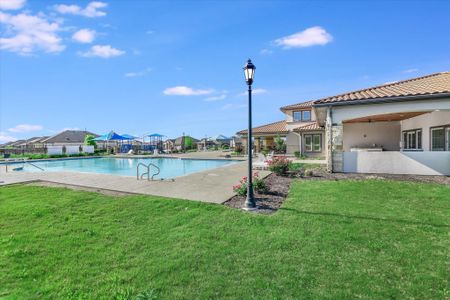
249, 71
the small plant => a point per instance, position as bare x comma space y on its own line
297, 154
258, 185
279, 165
280, 145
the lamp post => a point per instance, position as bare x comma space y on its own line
249, 72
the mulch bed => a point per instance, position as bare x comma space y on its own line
267, 203
279, 186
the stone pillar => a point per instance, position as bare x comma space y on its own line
335, 146
244, 144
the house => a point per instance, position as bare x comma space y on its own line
218, 141
396, 128
182, 143
169, 145
300, 130
67, 138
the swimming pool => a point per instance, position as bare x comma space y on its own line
170, 167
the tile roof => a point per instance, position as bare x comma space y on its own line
276, 127
432, 84
308, 126
302, 105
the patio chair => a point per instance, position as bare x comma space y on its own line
261, 162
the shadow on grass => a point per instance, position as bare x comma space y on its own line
327, 214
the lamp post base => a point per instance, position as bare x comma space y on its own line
250, 208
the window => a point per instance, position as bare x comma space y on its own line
308, 143
412, 139
302, 116
313, 142
306, 115
448, 138
438, 139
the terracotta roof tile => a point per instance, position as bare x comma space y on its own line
437, 83
308, 126
272, 128
307, 104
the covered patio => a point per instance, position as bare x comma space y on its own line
408, 142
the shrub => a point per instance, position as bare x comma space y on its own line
280, 144
279, 165
297, 154
258, 185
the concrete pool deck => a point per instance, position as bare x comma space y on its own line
212, 186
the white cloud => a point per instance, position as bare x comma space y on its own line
25, 128
4, 138
309, 37
138, 74
414, 70
216, 98
254, 92
104, 51
265, 52
30, 33
84, 36
186, 91
11, 4
92, 10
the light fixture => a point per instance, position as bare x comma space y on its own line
249, 71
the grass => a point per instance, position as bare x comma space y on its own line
305, 166
331, 239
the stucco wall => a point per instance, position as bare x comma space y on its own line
385, 134
419, 163
292, 144
424, 122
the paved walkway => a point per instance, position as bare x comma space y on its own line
213, 186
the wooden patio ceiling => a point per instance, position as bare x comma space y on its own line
387, 117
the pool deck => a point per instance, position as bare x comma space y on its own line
212, 186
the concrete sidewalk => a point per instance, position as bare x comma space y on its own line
213, 186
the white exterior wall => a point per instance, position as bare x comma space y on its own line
392, 162
424, 122
364, 135
292, 143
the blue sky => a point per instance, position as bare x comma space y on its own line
172, 67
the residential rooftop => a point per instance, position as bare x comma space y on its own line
428, 85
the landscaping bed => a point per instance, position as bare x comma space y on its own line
267, 203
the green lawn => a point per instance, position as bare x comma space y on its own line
331, 239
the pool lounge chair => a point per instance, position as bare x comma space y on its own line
260, 163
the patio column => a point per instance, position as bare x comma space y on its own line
334, 142
257, 144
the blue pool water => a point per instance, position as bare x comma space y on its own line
170, 167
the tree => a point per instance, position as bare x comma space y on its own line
280, 145
188, 143
89, 140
